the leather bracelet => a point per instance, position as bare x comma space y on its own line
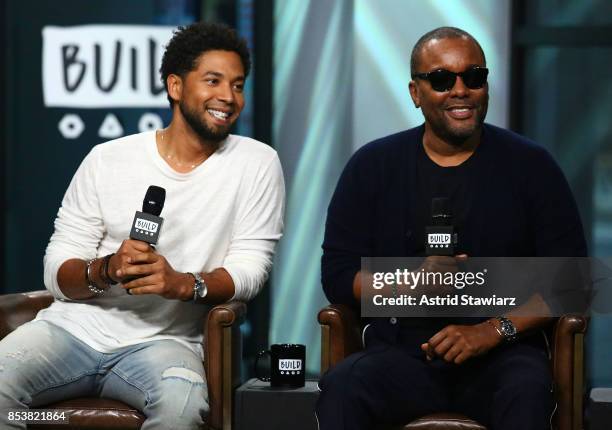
104, 275
91, 285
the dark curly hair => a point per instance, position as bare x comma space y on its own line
189, 42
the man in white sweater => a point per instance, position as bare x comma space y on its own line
126, 322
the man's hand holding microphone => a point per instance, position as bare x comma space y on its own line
138, 266
454, 343
141, 270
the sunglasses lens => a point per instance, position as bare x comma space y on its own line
442, 80
475, 78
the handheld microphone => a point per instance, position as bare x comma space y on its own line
441, 238
147, 224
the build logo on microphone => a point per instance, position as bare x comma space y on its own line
146, 226
439, 240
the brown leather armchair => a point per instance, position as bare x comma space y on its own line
340, 336
222, 349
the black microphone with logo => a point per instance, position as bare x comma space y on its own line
440, 236
147, 224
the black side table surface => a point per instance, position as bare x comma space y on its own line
259, 406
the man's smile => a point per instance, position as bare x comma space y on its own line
221, 116
460, 112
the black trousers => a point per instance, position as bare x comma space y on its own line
510, 388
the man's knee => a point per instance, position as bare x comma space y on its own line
13, 374
341, 403
529, 389
183, 400
348, 376
358, 382
523, 404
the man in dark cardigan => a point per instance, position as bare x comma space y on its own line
508, 198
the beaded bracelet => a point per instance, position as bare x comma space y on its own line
90, 283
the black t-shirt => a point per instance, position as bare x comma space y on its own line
434, 181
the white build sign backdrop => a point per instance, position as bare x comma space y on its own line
104, 66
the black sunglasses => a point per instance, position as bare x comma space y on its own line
442, 80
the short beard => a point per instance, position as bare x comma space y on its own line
201, 128
457, 138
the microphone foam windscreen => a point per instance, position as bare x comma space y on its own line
440, 206
153, 202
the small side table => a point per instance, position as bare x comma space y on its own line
259, 406
600, 408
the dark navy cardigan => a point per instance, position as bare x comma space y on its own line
521, 206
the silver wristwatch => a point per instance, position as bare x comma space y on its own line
507, 328
200, 289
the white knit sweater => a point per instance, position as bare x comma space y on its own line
226, 213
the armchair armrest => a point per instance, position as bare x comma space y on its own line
19, 308
340, 334
222, 346
568, 370
222, 360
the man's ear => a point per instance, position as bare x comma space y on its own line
175, 87
414, 94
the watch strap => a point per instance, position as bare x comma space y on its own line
496, 329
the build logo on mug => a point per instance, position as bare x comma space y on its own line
287, 365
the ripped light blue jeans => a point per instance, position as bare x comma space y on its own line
41, 363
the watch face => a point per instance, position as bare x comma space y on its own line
507, 327
200, 286
202, 290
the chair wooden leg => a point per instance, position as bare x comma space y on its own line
325, 348
227, 379
578, 380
